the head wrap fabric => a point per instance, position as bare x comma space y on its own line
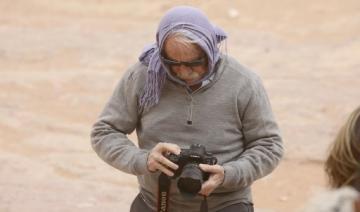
205, 34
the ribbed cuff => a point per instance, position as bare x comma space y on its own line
140, 166
230, 176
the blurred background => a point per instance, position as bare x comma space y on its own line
60, 61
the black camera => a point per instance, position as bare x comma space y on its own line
190, 175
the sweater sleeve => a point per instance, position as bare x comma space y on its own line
263, 144
118, 119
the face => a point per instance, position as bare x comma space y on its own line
187, 62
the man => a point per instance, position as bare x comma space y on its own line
184, 92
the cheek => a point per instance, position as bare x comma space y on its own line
176, 70
200, 70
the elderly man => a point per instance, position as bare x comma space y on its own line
184, 95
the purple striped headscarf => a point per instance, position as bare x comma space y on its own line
205, 34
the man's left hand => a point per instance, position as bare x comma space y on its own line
215, 179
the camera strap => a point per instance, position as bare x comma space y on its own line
163, 193
204, 205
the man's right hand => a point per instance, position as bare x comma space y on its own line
157, 160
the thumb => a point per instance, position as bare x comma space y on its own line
205, 167
169, 147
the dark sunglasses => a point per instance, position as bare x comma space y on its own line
193, 63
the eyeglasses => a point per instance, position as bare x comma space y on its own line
192, 63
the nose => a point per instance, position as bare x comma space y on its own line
183, 68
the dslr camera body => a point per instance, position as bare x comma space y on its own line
189, 173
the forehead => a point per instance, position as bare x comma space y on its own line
174, 47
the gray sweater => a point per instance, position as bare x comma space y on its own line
231, 116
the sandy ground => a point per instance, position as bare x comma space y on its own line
60, 60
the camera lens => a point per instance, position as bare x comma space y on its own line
190, 179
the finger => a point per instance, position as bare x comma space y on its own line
207, 188
164, 170
211, 168
168, 147
159, 158
164, 161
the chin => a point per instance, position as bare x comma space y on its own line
190, 82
